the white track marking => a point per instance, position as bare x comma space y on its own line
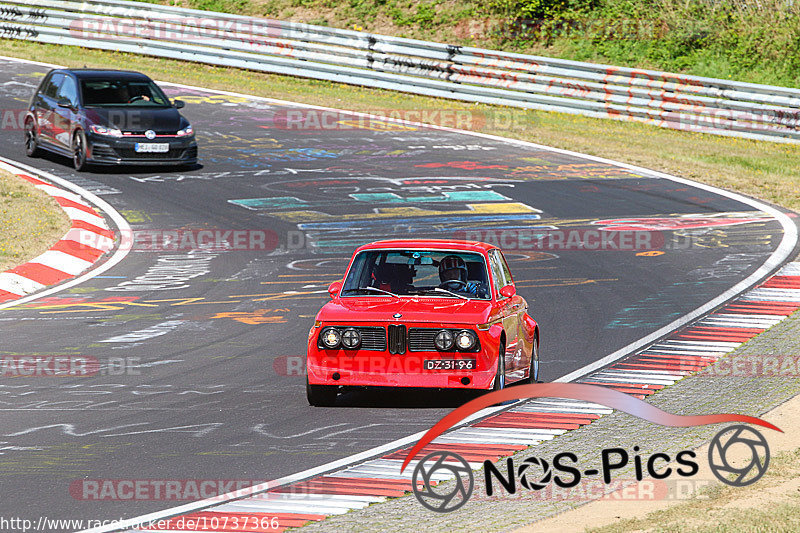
781, 253
66, 263
18, 284
122, 225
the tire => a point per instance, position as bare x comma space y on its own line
31, 140
535, 371
79, 151
321, 395
500, 377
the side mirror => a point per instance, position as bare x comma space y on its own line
179, 104
508, 291
63, 102
334, 288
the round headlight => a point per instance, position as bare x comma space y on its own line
465, 340
444, 340
331, 337
351, 338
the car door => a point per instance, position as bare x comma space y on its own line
65, 117
509, 313
517, 307
44, 104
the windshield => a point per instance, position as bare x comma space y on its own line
438, 273
122, 93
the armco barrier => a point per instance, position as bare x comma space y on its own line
471, 74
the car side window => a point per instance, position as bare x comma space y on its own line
53, 85
508, 280
69, 90
497, 271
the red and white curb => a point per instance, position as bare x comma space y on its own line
88, 239
684, 352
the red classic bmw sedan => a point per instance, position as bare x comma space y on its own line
422, 313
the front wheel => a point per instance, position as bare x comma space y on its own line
500, 377
31, 142
79, 151
533, 375
321, 395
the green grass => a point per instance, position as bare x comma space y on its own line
761, 169
747, 40
31, 220
770, 506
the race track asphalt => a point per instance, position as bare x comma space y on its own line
200, 376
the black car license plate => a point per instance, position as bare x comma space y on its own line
449, 364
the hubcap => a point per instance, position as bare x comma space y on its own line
502, 370
78, 150
29, 138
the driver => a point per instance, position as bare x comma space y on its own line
453, 275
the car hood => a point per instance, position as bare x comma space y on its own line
427, 310
158, 119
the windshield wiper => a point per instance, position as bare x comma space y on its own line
439, 289
376, 289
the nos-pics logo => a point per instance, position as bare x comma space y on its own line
443, 481
536, 473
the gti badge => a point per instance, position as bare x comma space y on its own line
397, 315
150, 134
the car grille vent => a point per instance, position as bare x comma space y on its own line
421, 340
397, 339
142, 132
100, 151
130, 153
372, 338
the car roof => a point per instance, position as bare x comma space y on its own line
90, 73
435, 244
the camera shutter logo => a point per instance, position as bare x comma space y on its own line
736, 437
438, 466
525, 469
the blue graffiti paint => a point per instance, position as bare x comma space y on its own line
413, 221
278, 202
292, 202
447, 196
664, 306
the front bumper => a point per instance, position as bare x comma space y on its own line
365, 368
105, 150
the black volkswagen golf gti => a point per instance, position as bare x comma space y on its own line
107, 117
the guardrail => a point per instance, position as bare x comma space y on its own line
676, 101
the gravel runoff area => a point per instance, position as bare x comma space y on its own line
714, 390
